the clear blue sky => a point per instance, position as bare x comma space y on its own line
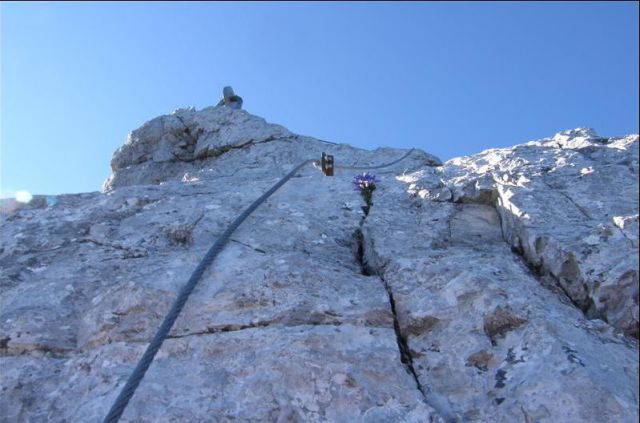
450, 78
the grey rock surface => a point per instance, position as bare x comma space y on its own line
489, 342
442, 304
569, 205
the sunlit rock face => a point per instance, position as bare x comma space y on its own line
497, 287
567, 204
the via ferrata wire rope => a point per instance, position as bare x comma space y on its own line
116, 410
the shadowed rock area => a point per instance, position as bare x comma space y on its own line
497, 287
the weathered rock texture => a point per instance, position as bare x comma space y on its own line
494, 288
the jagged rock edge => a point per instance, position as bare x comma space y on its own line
537, 270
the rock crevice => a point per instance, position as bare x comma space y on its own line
440, 404
558, 210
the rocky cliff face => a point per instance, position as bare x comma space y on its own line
497, 287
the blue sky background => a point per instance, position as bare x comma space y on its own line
450, 78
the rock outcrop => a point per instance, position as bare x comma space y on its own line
497, 287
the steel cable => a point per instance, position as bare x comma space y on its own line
378, 166
141, 368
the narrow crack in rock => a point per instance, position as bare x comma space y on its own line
47, 250
248, 246
629, 240
187, 130
130, 252
223, 328
217, 152
571, 200
538, 273
211, 330
441, 405
7, 350
403, 346
500, 221
561, 291
237, 327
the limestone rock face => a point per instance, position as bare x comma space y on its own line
162, 147
497, 287
569, 205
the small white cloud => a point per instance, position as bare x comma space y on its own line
23, 196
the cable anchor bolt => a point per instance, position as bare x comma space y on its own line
327, 164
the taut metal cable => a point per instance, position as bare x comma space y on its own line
138, 373
378, 166
154, 346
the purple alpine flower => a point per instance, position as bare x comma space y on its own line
364, 181
365, 184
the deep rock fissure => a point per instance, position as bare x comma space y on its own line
401, 340
364, 269
403, 346
538, 272
439, 403
501, 222
535, 271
